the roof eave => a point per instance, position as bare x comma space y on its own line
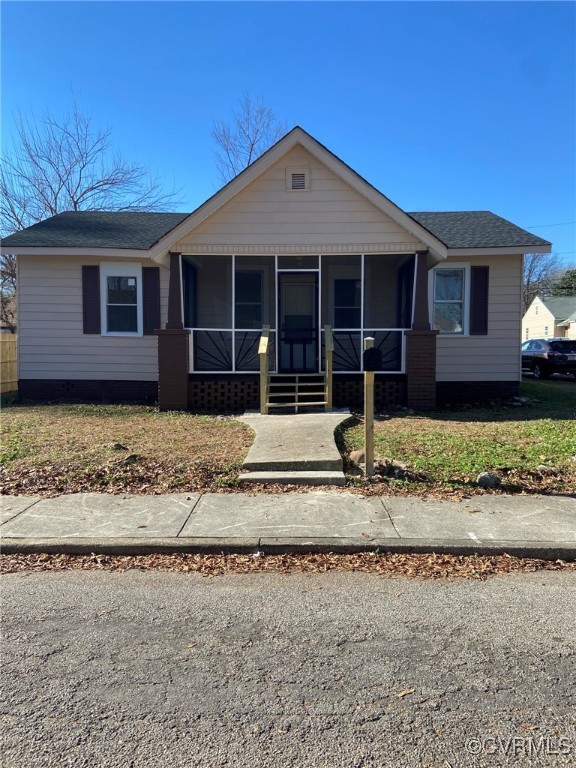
507, 250
31, 250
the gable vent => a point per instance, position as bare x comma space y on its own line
298, 181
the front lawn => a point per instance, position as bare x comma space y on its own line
53, 449
532, 448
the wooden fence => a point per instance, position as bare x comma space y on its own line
8, 369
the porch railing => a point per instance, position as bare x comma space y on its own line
263, 355
328, 363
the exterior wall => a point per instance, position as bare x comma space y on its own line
51, 344
496, 356
570, 331
330, 217
539, 322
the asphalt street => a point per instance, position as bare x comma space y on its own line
158, 669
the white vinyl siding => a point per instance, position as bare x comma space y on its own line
330, 216
496, 356
51, 341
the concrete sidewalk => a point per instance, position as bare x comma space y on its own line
536, 526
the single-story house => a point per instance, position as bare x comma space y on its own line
550, 317
141, 306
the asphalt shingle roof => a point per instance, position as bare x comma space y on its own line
562, 307
141, 230
97, 229
475, 229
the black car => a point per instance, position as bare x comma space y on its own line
547, 356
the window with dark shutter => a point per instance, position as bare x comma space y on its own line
151, 299
91, 299
479, 301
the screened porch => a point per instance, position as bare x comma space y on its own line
228, 299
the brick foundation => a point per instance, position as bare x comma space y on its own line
421, 370
389, 391
88, 391
173, 367
223, 393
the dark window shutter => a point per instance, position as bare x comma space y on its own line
479, 301
151, 299
91, 299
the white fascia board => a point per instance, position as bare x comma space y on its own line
518, 250
91, 253
324, 156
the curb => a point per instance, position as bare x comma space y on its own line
276, 546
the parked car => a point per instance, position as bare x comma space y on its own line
547, 356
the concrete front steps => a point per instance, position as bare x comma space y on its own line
294, 449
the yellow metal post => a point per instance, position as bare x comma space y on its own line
263, 354
369, 414
329, 351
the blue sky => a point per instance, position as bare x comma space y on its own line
441, 105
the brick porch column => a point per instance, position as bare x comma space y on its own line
421, 346
173, 347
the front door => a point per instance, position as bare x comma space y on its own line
298, 322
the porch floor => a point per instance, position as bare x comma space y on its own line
294, 448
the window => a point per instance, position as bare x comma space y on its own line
536, 309
545, 330
121, 292
449, 298
248, 302
527, 333
347, 303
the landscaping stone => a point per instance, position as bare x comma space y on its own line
357, 457
488, 480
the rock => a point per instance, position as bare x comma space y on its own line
547, 471
488, 480
357, 457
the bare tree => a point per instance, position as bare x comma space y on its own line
253, 129
66, 164
541, 270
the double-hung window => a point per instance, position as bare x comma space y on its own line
449, 300
121, 296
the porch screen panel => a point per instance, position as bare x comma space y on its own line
390, 345
208, 303
387, 291
341, 291
255, 292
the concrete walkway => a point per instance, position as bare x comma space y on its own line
538, 526
294, 448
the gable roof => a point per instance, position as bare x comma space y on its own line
440, 231
476, 229
141, 231
563, 308
134, 230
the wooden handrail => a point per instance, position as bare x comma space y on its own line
263, 353
329, 366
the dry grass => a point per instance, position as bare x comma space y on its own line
53, 449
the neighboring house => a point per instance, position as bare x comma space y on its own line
550, 317
136, 305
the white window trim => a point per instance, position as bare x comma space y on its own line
466, 303
123, 270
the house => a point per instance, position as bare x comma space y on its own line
550, 317
138, 306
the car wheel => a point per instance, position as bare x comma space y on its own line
540, 372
